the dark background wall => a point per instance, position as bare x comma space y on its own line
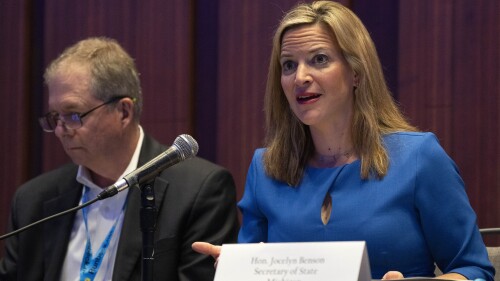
204, 63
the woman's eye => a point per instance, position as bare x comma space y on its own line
288, 66
320, 59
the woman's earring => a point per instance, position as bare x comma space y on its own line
356, 81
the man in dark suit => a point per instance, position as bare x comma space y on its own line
95, 103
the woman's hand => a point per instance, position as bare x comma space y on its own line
452, 276
207, 249
391, 275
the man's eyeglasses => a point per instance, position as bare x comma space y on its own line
71, 120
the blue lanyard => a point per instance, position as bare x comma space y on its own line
91, 263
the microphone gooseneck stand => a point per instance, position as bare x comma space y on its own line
148, 227
49, 218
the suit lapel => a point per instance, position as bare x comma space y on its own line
129, 252
57, 231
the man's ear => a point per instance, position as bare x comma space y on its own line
126, 107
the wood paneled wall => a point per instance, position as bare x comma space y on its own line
16, 154
203, 68
449, 83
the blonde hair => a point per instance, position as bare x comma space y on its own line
288, 141
112, 70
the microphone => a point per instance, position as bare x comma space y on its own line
184, 147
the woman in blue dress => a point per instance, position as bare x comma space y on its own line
341, 163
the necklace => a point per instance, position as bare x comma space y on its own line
333, 159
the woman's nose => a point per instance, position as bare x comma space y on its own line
302, 75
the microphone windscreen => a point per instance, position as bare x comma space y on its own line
187, 146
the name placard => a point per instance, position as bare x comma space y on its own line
305, 261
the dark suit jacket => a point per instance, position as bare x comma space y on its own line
195, 199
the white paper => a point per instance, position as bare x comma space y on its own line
306, 261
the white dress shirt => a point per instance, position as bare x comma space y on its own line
101, 216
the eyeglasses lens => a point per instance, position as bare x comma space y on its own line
49, 121
70, 121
